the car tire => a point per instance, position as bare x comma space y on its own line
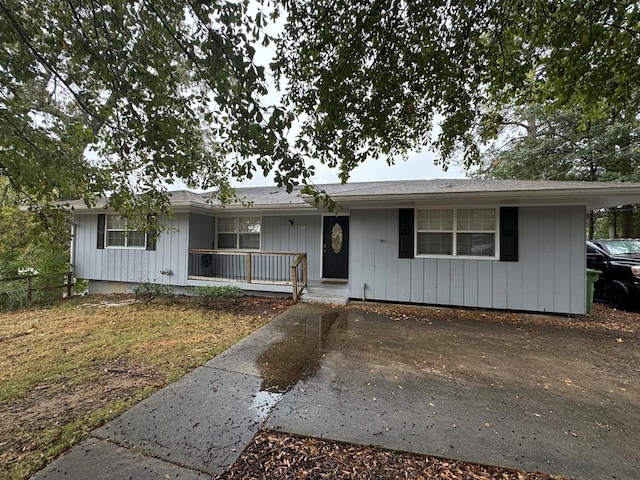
617, 294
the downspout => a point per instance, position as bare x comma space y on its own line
364, 287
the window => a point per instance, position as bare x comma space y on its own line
239, 233
119, 235
463, 232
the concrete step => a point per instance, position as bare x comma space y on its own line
335, 296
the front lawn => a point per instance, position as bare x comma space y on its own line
65, 370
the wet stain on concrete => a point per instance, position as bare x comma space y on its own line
297, 355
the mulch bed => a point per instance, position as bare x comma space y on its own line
246, 305
274, 455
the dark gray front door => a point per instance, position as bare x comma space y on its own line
335, 247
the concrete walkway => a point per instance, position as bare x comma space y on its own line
477, 391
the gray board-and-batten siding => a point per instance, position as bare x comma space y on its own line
282, 233
549, 275
132, 265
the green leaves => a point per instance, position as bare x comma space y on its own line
561, 146
30, 240
124, 98
372, 77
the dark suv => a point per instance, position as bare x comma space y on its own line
619, 262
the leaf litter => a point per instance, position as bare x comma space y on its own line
275, 455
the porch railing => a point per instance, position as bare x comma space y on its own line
278, 268
299, 275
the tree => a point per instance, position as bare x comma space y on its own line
122, 97
556, 146
535, 145
372, 77
29, 243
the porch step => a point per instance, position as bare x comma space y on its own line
330, 295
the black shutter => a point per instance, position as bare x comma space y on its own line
152, 235
405, 244
101, 224
509, 234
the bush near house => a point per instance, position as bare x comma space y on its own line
147, 291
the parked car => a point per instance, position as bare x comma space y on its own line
619, 261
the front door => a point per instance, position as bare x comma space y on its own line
335, 247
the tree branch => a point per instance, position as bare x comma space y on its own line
42, 60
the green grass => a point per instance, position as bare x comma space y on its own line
82, 351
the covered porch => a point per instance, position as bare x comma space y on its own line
258, 270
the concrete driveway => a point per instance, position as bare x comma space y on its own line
559, 400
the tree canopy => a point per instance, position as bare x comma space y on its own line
374, 76
125, 97
557, 146
536, 145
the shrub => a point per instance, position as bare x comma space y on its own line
149, 291
14, 293
80, 286
13, 298
227, 293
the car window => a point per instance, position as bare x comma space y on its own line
622, 247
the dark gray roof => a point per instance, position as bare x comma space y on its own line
404, 187
453, 188
592, 194
187, 196
465, 185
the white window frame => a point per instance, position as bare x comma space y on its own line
126, 231
455, 231
238, 233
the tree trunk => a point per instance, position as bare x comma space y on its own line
532, 127
626, 220
592, 221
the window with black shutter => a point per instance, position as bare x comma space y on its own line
406, 235
509, 234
